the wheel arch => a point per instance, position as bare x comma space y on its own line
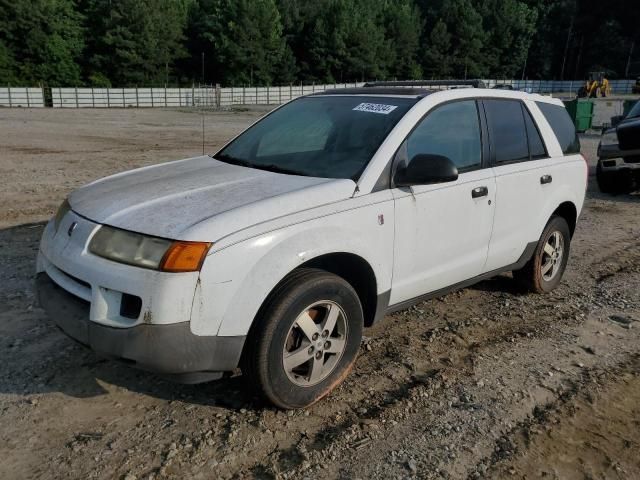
569, 212
355, 270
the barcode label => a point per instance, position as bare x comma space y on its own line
376, 108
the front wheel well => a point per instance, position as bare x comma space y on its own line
568, 211
355, 270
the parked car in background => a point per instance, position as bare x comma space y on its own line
275, 252
618, 169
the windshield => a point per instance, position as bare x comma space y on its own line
331, 136
635, 111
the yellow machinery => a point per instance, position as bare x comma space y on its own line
597, 83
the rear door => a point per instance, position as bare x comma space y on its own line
524, 176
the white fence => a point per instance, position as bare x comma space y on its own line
211, 96
21, 97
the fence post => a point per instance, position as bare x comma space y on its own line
243, 95
93, 99
108, 97
28, 101
218, 96
290, 91
9, 94
76, 90
256, 95
165, 94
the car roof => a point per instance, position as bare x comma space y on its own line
374, 91
421, 93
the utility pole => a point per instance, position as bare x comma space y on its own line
202, 80
566, 45
626, 70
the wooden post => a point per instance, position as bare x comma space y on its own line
76, 90
108, 98
244, 101
28, 101
9, 94
93, 98
137, 99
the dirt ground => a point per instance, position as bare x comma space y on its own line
487, 382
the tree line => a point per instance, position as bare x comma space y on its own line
278, 42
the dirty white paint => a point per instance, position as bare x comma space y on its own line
265, 224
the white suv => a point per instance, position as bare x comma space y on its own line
273, 254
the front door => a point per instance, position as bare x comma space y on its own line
442, 231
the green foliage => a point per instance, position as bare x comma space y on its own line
137, 41
40, 40
259, 42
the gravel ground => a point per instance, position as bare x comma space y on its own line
486, 382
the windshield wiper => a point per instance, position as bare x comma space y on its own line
270, 167
233, 160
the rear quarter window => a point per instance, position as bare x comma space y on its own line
562, 126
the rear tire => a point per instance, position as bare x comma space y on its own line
544, 271
305, 339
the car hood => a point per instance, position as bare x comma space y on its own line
202, 196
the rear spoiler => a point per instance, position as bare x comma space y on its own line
429, 83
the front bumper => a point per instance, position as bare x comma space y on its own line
171, 350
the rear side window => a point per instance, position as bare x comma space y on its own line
536, 146
507, 130
562, 126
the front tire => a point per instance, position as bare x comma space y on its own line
305, 339
544, 271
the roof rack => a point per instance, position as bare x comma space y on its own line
429, 83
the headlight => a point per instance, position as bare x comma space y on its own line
148, 252
609, 138
63, 209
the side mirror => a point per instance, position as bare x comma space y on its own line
424, 169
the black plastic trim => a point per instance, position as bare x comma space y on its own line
171, 350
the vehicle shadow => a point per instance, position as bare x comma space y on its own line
38, 358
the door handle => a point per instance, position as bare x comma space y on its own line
544, 179
479, 192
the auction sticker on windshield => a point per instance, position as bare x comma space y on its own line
375, 108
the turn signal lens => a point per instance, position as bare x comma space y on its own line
184, 256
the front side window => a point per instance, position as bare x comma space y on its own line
332, 136
451, 130
507, 131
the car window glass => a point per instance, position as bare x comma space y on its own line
562, 126
306, 133
330, 136
451, 130
507, 130
536, 146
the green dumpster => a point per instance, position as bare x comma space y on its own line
581, 112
